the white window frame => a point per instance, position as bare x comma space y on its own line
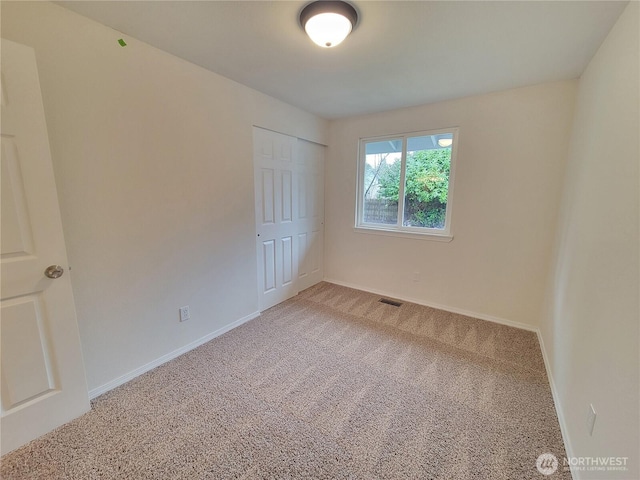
399, 230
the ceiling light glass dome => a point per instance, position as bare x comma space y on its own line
328, 23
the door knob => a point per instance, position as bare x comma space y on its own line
54, 271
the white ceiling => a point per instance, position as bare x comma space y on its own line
400, 54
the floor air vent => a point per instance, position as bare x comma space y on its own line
390, 302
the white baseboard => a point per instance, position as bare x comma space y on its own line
556, 402
116, 382
468, 313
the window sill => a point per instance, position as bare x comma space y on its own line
436, 237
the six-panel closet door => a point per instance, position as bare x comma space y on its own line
289, 195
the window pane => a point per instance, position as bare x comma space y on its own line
427, 181
382, 181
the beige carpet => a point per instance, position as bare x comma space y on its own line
330, 384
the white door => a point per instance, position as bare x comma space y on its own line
43, 378
289, 194
310, 213
274, 169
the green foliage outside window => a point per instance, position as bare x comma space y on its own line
426, 187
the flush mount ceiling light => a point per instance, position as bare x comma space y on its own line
445, 142
328, 22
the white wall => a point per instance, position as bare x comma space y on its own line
511, 160
590, 326
153, 163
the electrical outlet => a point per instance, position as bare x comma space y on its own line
416, 276
184, 313
591, 419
